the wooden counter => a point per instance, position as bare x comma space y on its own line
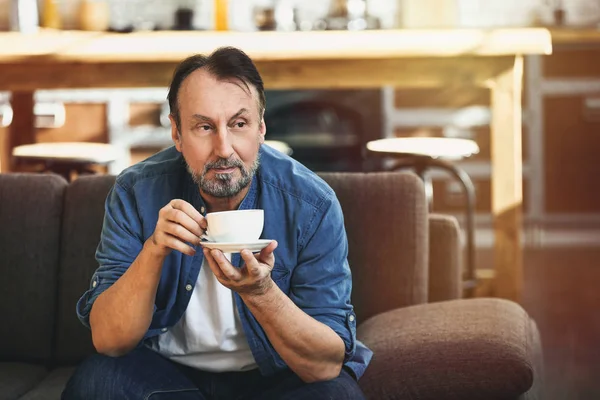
575, 36
174, 45
57, 59
298, 60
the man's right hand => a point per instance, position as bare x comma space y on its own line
179, 223
122, 314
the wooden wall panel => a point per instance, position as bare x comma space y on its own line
144, 114
572, 63
572, 157
85, 122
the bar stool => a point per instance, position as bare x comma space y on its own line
66, 158
423, 154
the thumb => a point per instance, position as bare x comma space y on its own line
266, 255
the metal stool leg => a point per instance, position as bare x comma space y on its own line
420, 166
470, 281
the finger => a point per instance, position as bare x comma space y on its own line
182, 218
174, 243
189, 209
180, 232
252, 264
214, 267
223, 263
266, 255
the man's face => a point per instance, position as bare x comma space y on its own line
220, 133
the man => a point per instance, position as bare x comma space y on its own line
170, 319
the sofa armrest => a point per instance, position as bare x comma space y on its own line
445, 258
459, 349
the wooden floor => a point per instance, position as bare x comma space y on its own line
562, 294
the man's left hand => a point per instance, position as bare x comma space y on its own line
253, 278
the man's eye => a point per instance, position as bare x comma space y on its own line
240, 124
204, 127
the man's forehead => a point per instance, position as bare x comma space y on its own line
202, 81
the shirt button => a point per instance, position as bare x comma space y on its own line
188, 287
94, 284
202, 209
351, 318
163, 329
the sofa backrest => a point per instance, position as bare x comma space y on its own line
385, 216
30, 219
82, 223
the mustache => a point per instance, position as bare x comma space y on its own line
224, 163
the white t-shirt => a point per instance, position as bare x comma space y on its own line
209, 336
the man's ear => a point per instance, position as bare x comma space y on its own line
175, 134
262, 130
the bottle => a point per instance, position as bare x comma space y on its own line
51, 15
221, 17
24, 16
94, 15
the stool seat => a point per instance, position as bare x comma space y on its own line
68, 152
434, 147
66, 158
280, 146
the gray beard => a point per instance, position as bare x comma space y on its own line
223, 185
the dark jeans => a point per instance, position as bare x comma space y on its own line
144, 374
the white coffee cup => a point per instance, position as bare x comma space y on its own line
238, 226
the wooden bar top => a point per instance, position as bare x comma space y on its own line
575, 36
49, 46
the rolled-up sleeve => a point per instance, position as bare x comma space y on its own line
120, 243
322, 282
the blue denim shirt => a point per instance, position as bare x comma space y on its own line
301, 213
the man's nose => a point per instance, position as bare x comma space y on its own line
222, 143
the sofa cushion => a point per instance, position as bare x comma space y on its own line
81, 228
460, 349
51, 387
18, 378
30, 214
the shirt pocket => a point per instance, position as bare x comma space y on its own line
282, 277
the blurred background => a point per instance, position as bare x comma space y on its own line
328, 129
246, 15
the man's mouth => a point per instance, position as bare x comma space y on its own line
227, 170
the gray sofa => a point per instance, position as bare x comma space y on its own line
428, 343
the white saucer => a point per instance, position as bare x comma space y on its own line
229, 247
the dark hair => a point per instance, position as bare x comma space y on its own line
223, 63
